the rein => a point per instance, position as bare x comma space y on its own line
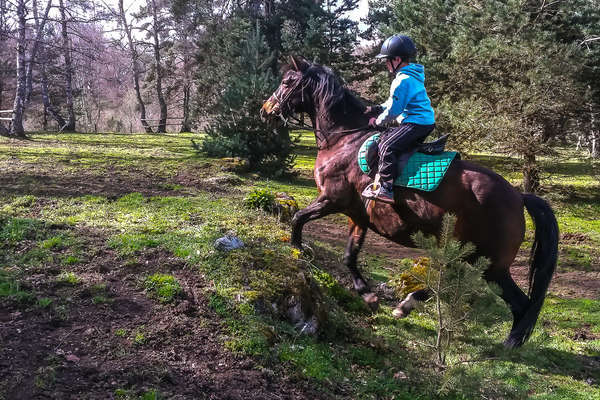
298, 124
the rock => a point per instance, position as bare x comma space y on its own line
285, 206
228, 243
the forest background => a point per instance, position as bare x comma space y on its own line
519, 77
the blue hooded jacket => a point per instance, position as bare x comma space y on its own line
408, 101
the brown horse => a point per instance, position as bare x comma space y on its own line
489, 210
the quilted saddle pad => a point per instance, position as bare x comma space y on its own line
421, 171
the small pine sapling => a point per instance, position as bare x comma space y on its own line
459, 292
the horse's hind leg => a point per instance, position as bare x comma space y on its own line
410, 302
356, 239
513, 296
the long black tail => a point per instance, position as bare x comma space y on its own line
544, 254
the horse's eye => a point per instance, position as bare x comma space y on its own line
286, 82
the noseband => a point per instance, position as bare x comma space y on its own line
282, 101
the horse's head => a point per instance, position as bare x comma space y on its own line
291, 96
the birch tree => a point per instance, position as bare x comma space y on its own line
16, 129
155, 24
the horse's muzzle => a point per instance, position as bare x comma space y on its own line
269, 110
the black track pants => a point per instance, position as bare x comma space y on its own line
394, 142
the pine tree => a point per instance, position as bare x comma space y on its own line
237, 129
459, 292
323, 34
504, 76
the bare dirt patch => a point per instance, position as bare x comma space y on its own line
104, 335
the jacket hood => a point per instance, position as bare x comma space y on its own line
417, 71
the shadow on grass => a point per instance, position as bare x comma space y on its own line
540, 357
74, 185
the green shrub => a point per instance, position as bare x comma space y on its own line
260, 199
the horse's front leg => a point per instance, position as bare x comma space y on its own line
356, 239
319, 208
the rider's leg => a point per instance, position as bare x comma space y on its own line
392, 143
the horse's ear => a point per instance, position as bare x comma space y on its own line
299, 63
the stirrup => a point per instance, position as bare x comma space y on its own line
370, 192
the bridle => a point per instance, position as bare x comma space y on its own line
296, 123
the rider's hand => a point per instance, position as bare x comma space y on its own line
373, 122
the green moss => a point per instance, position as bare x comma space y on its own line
342, 295
315, 360
163, 287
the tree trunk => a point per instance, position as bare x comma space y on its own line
47, 102
39, 29
594, 134
531, 174
19, 104
136, 70
70, 127
162, 123
3, 130
185, 124
187, 86
45, 120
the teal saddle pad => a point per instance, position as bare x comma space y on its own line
422, 171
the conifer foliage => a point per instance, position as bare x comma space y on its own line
237, 129
459, 292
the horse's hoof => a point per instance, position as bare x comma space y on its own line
398, 313
372, 301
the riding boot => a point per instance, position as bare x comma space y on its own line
385, 193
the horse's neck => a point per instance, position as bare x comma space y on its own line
331, 131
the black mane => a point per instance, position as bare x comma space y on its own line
329, 91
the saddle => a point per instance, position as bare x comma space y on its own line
422, 167
371, 153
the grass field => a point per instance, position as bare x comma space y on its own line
90, 221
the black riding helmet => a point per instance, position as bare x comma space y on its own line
398, 46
